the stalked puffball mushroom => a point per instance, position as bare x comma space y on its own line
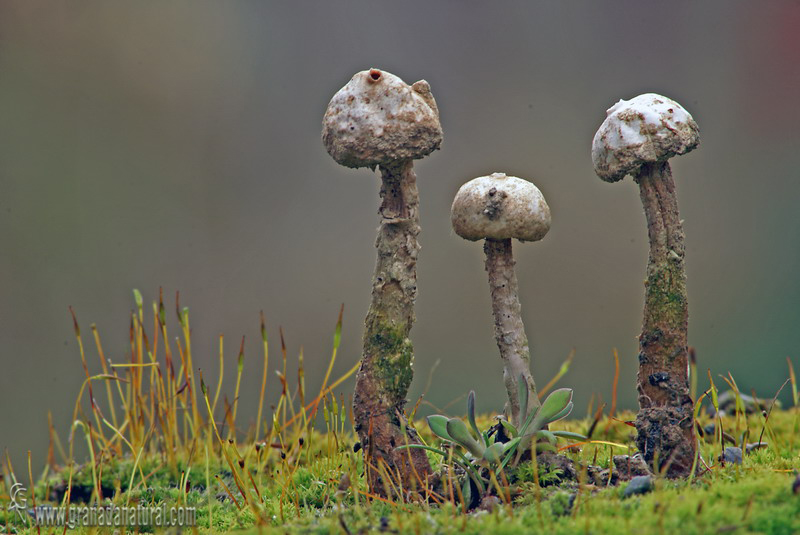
638, 138
498, 208
377, 120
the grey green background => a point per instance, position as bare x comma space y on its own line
176, 144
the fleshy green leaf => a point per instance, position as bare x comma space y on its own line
551, 438
562, 414
438, 425
509, 427
511, 444
493, 453
529, 420
466, 490
555, 403
457, 429
471, 412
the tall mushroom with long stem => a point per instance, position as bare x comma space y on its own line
497, 208
637, 138
377, 120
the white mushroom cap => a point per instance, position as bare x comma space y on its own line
646, 129
499, 207
377, 118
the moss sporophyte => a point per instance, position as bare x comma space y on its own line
306, 474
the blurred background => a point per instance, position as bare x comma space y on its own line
148, 144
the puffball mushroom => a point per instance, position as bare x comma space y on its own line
638, 138
377, 120
498, 208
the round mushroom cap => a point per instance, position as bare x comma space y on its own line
646, 129
377, 119
499, 207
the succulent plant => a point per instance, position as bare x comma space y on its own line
483, 450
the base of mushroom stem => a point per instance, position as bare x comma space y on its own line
383, 434
666, 440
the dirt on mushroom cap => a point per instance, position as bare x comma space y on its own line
646, 129
499, 207
377, 118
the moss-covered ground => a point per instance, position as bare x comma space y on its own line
299, 469
305, 493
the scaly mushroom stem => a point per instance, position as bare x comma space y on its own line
665, 420
384, 377
508, 328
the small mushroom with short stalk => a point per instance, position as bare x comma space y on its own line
377, 120
637, 138
498, 208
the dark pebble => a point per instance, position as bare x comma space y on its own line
732, 455
638, 485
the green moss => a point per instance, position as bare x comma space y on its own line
547, 475
297, 479
666, 286
392, 354
755, 497
666, 303
560, 504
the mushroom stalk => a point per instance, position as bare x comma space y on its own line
498, 208
385, 374
664, 423
378, 120
509, 331
637, 138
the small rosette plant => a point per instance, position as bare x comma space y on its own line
474, 450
